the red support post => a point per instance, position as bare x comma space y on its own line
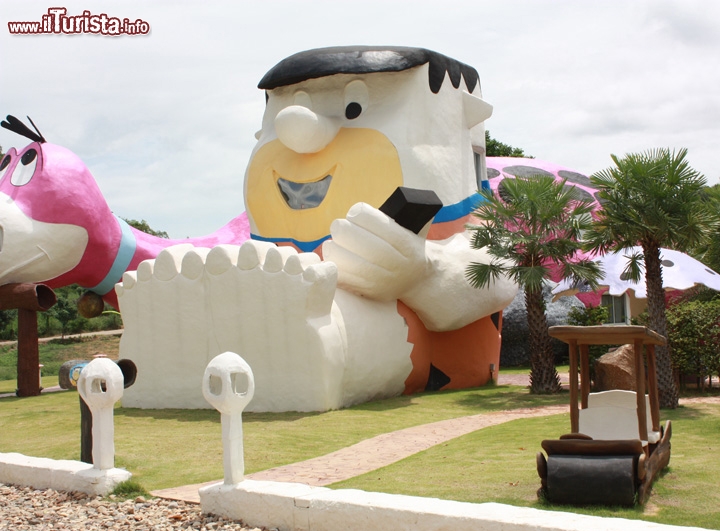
28, 379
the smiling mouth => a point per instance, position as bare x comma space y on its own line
301, 196
43, 254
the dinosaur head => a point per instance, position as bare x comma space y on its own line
52, 214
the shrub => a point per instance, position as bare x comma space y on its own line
694, 336
590, 316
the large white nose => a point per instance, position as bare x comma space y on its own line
304, 131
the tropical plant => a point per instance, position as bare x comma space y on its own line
532, 232
709, 252
651, 199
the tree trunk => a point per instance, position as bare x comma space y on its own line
667, 389
544, 378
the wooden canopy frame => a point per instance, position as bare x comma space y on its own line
639, 336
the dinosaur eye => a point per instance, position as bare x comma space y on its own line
28, 157
25, 171
353, 110
4, 164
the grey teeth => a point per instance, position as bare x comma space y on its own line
301, 196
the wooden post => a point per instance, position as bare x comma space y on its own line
28, 299
653, 388
640, 383
28, 354
584, 375
574, 415
86, 438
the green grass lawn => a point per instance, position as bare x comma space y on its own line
166, 448
497, 464
185, 445
54, 353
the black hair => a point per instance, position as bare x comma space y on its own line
323, 62
16, 126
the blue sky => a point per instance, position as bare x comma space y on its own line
165, 121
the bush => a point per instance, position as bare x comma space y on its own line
694, 337
8, 324
63, 318
590, 316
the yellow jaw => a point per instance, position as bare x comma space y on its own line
297, 195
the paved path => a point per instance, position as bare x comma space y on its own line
116, 332
55, 388
374, 453
388, 448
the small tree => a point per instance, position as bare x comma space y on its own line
144, 226
495, 148
651, 199
64, 311
532, 232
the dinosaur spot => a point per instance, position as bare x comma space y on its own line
573, 177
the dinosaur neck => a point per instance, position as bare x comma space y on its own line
136, 246
124, 255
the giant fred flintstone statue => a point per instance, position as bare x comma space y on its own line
385, 311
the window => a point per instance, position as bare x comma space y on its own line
617, 309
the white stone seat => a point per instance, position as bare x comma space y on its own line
612, 415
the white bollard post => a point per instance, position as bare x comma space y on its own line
101, 385
228, 385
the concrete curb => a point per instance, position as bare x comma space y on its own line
64, 475
298, 507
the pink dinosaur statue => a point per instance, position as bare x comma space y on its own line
56, 227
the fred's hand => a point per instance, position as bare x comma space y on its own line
375, 257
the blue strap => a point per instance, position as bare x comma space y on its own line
306, 247
446, 213
461, 208
124, 256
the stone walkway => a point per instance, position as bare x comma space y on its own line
388, 448
377, 452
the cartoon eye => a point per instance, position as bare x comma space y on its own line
356, 99
4, 164
353, 110
26, 169
28, 157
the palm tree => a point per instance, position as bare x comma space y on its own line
533, 231
651, 199
709, 252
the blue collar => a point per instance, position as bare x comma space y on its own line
446, 213
124, 256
